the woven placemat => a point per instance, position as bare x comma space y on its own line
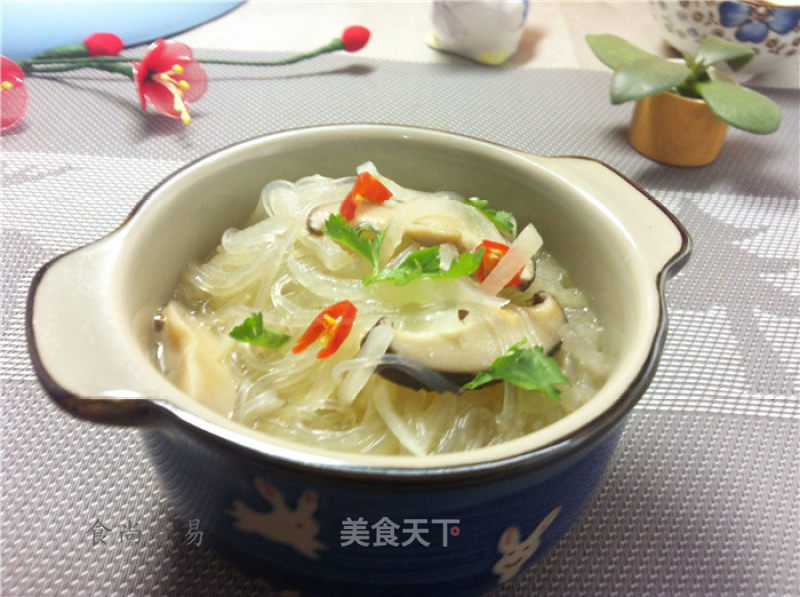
702, 494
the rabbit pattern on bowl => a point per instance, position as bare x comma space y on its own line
282, 524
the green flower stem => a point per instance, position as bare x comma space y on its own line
31, 65
78, 62
121, 69
35, 69
335, 45
72, 51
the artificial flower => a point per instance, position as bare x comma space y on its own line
169, 78
13, 93
754, 22
103, 44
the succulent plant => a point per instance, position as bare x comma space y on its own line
638, 74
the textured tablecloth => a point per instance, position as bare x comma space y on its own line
702, 494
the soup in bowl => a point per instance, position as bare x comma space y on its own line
400, 454
358, 315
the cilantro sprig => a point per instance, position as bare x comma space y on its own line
364, 240
424, 263
504, 220
252, 331
527, 368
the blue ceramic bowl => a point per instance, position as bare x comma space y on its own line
325, 522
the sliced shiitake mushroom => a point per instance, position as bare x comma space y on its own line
470, 342
372, 214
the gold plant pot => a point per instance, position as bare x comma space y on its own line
676, 130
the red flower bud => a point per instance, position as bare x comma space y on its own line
103, 44
355, 37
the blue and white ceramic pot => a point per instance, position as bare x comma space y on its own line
323, 522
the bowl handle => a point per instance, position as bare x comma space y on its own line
665, 243
78, 352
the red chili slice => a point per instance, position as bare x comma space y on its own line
330, 327
366, 187
493, 253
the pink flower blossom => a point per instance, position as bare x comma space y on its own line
169, 78
14, 100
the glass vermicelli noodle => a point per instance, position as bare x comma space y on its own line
371, 345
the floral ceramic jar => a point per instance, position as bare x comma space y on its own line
771, 29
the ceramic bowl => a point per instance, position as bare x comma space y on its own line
770, 29
324, 522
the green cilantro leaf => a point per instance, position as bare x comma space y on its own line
426, 263
417, 264
527, 368
464, 265
364, 240
504, 220
252, 330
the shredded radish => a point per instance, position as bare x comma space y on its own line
428, 378
399, 427
519, 253
375, 344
